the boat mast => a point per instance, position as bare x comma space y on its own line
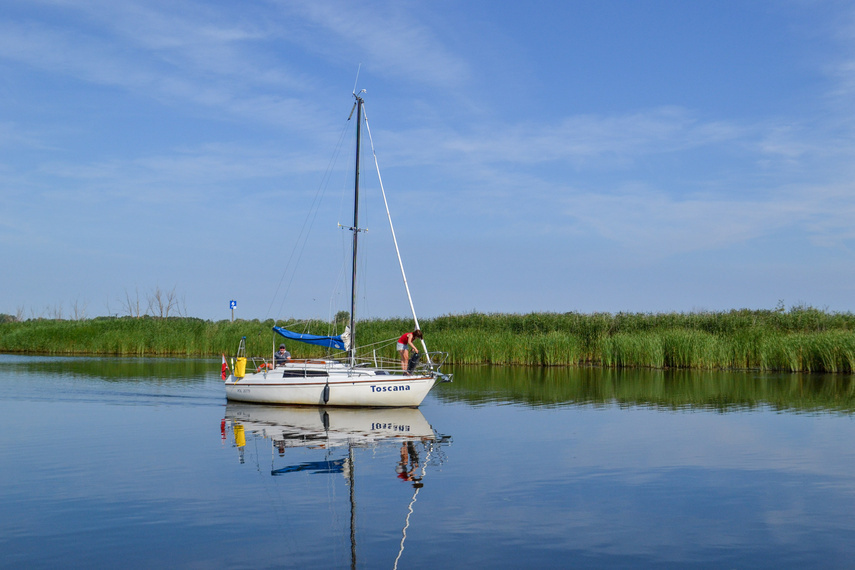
355, 230
351, 488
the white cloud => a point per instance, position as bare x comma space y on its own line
389, 37
656, 225
172, 58
580, 139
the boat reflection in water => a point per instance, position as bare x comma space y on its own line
328, 428
335, 433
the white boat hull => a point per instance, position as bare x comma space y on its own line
341, 388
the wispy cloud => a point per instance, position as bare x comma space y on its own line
192, 56
782, 176
656, 225
388, 35
842, 69
579, 139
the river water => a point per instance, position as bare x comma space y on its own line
141, 463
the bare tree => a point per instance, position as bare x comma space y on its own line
181, 309
131, 304
171, 301
55, 312
78, 312
156, 302
19, 313
179, 304
161, 302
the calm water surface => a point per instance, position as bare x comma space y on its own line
140, 463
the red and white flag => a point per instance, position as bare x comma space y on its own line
223, 374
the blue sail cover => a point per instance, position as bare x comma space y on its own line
334, 466
327, 341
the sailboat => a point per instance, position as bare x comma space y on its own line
353, 380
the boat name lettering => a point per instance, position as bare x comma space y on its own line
391, 426
389, 388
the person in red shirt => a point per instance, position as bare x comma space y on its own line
404, 343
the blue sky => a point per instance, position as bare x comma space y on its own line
642, 156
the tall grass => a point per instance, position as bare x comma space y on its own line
801, 339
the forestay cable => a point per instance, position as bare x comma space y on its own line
392, 227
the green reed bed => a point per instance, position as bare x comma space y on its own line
825, 351
632, 350
123, 336
801, 339
469, 346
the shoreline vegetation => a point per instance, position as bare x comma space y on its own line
802, 339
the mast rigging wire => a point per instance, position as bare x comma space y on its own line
303, 235
392, 228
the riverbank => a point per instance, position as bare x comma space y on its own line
798, 340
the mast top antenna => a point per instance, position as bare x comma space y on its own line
357, 80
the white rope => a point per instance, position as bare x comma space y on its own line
404, 537
392, 227
410, 509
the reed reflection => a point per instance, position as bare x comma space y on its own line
115, 369
722, 391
